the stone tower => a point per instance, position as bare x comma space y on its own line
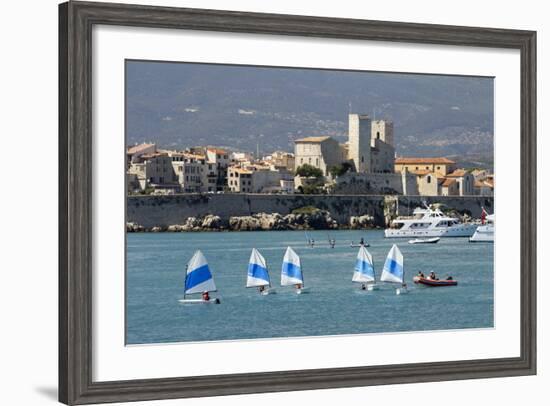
383, 131
359, 134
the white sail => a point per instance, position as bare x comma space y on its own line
291, 273
393, 267
257, 270
199, 278
364, 268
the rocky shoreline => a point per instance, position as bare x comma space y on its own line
315, 220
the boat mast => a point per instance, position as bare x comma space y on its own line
185, 280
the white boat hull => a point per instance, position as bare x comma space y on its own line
424, 240
401, 291
199, 301
301, 291
268, 292
484, 234
464, 230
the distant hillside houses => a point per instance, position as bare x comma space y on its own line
365, 164
441, 177
152, 170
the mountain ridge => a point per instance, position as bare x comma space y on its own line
178, 105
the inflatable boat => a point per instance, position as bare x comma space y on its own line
434, 282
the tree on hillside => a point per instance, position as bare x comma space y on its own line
309, 171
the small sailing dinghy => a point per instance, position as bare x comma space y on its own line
258, 275
198, 279
394, 271
309, 241
361, 243
364, 270
433, 240
331, 241
353, 245
291, 272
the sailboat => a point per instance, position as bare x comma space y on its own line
258, 275
331, 241
291, 273
310, 241
364, 270
394, 271
198, 279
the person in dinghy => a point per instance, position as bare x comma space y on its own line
206, 297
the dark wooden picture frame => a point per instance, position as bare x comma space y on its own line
76, 20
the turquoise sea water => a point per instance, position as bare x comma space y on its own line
334, 305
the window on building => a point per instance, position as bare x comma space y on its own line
429, 179
362, 159
378, 134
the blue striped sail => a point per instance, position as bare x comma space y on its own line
257, 270
198, 278
291, 273
364, 269
393, 267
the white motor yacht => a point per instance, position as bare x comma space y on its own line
428, 222
485, 232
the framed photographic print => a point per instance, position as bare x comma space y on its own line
257, 202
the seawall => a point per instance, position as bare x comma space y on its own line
162, 211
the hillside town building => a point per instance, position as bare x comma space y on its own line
439, 166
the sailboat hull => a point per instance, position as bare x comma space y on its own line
199, 301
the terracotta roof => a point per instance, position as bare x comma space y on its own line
138, 148
458, 173
448, 182
484, 183
153, 155
241, 170
479, 183
196, 156
217, 150
313, 139
423, 161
